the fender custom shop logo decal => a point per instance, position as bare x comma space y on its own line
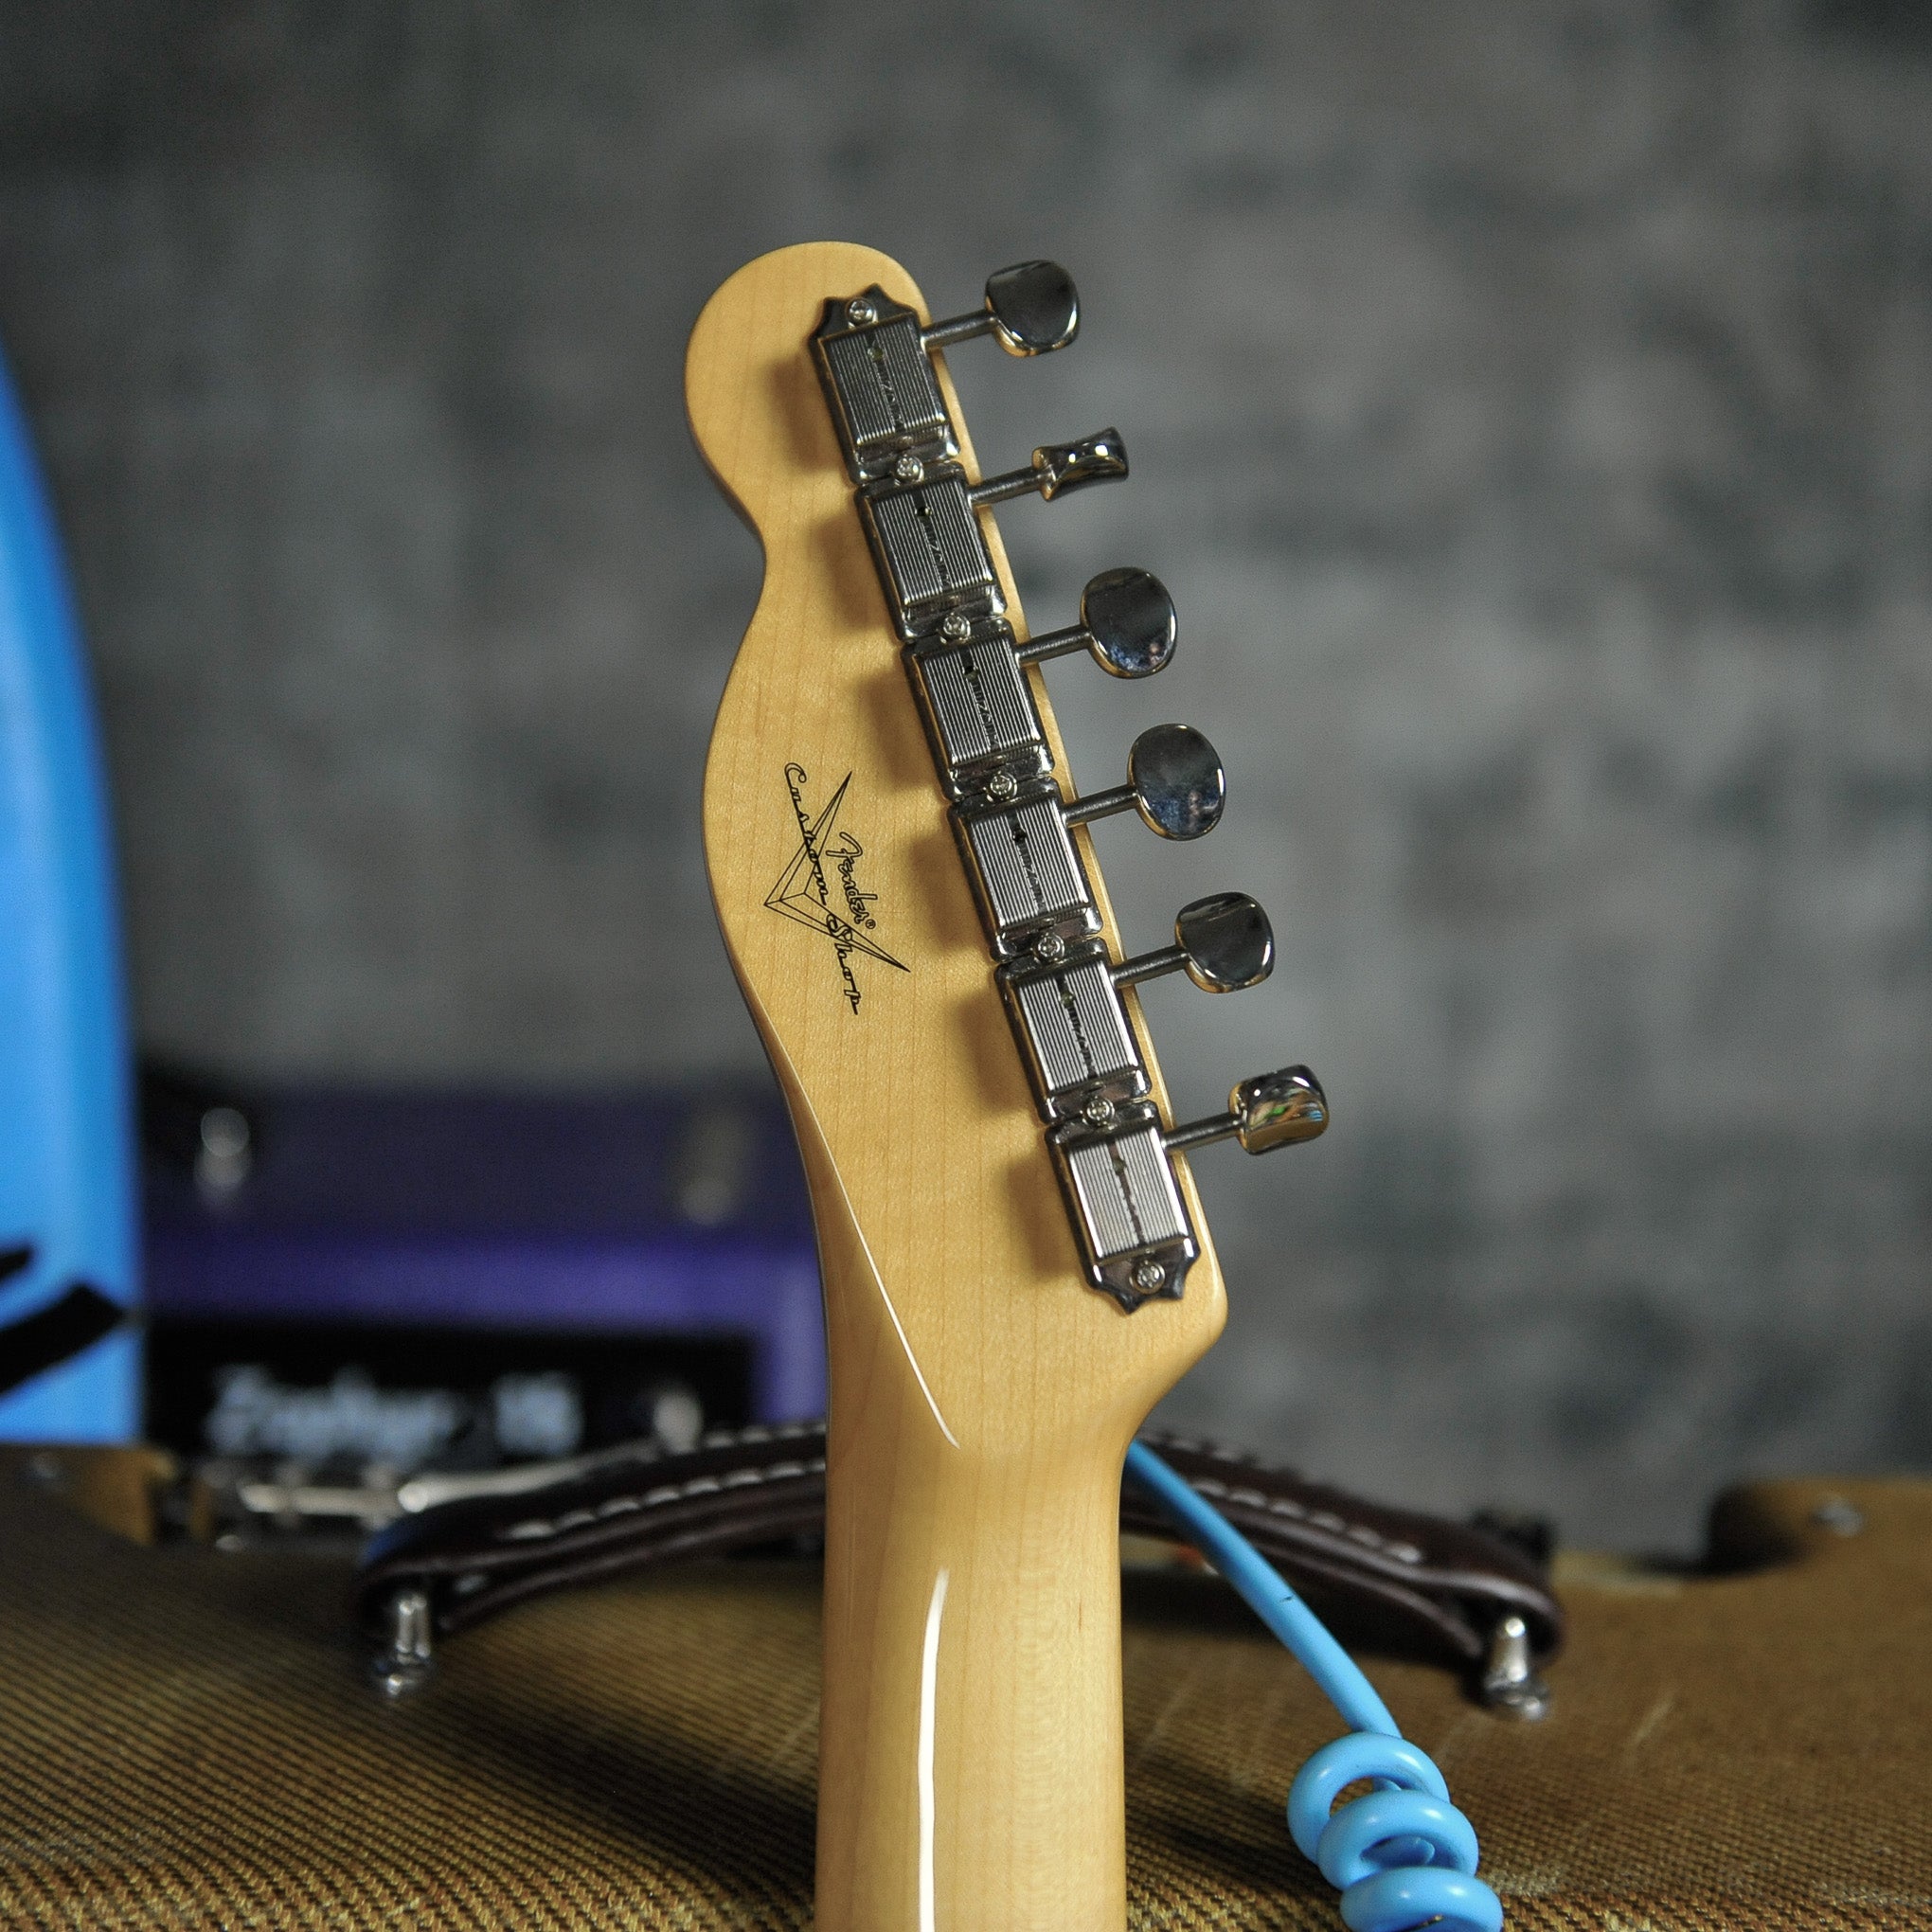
820, 886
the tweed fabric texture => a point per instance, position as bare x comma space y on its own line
186, 1741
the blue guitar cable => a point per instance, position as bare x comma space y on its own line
1403, 1856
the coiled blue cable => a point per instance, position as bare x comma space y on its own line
1403, 1856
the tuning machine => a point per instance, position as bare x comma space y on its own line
1223, 943
1080, 1050
1134, 1236
1017, 841
1057, 469
920, 520
876, 361
979, 713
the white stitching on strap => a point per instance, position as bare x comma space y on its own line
536, 1529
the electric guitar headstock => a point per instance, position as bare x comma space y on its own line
1015, 1261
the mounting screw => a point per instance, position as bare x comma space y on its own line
956, 628
860, 312
909, 469
1148, 1276
1049, 947
1002, 785
1097, 1111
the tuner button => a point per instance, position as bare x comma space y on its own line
1278, 1109
1130, 617
1174, 781
1029, 309
1271, 1110
1126, 623
1033, 306
1058, 468
1179, 787
1063, 467
1223, 943
1228, 942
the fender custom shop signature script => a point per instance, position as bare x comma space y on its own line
821, 876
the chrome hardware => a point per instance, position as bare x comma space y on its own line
1223, 943
1126, 622
1271, 1110
1174, 781
1136, 1239
919, 521
881, 383
408, 1651
985, 730
1030, 309
932, 558
1509, 1683
1080, 1050
979, 713
1061, 985
1057, 469
1028, 880
874, 361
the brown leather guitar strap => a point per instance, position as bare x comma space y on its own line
1395, 1578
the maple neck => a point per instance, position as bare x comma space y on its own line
982, 1389
971, 1771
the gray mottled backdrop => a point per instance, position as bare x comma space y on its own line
1532, 411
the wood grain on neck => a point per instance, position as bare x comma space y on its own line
982, 1395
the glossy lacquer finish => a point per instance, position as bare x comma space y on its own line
982, 1394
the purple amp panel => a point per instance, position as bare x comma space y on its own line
450, 1280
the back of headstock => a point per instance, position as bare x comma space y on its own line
1015, 1261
